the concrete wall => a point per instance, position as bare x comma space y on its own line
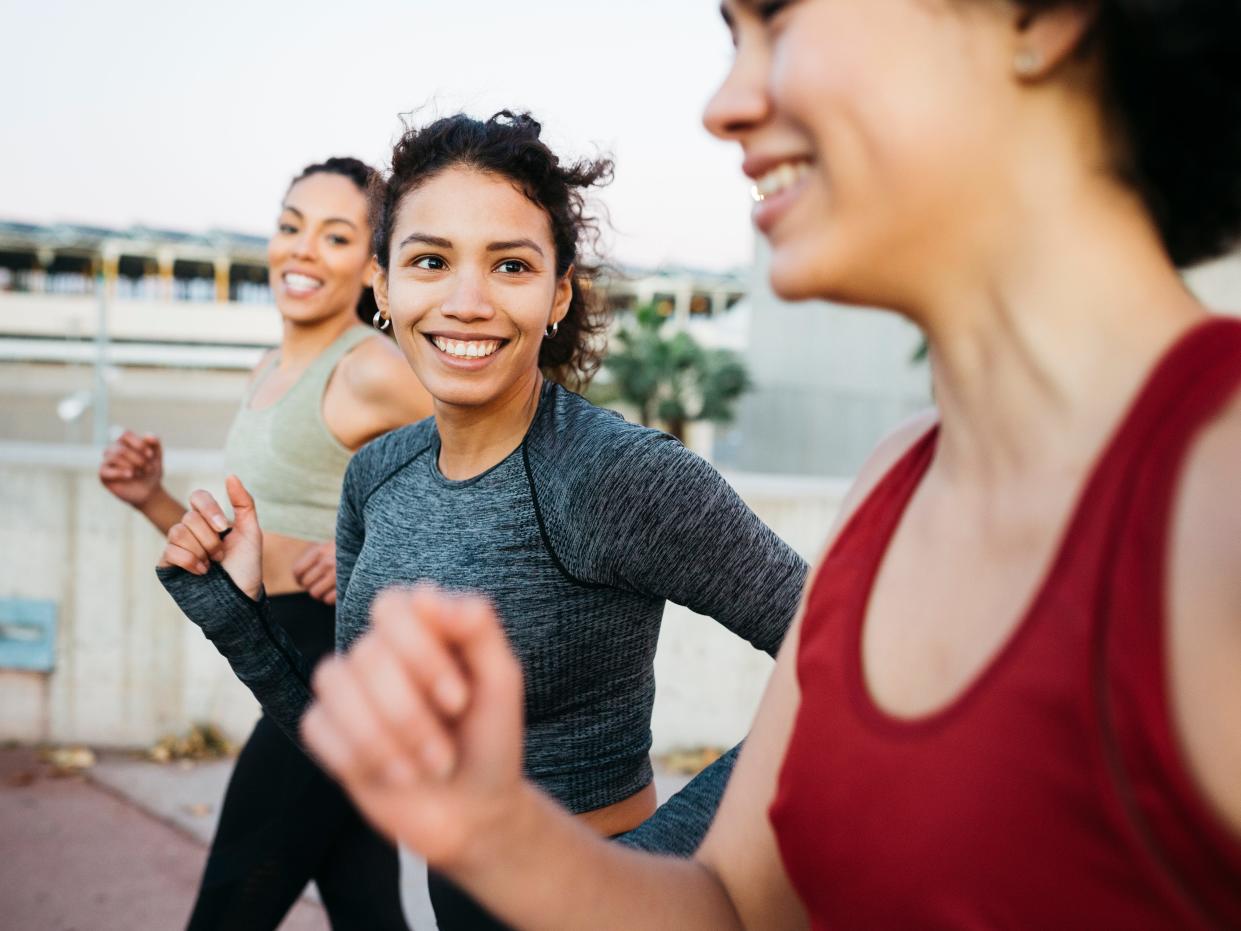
130, 668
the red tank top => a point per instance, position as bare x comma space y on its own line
1051, 793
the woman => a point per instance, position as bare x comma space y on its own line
578, 525
326, 389
1011, 698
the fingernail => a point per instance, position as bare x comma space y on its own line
450, 693
219, 523
202, 568
437, 757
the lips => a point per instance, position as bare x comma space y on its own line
298, 284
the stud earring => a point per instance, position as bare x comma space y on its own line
1027, 62
375, 321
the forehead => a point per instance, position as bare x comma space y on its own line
327, 194
464, 204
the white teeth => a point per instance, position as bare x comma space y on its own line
301, 282
778, 179
466, 348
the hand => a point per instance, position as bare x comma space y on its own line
203, 536
133, 467
315, 571
421, 721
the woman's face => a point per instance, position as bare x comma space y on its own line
868, 128
319, 256
471, 286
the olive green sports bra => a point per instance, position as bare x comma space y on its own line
285, 454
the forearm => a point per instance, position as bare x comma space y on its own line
262, 655
162, 510
544, 871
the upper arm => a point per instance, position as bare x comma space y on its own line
663, 522
381, 392
1204, 631
740, 849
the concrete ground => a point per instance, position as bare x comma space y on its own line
76, 857
120, 848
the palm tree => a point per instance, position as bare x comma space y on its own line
672, 379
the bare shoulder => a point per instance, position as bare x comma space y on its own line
883, 457
1205, 612
376, 373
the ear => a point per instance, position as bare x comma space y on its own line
1047, 37
564, 294
379, 284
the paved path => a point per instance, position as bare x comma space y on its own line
121, 848
75, 857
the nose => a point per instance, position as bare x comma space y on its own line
468, 301
742, 101
305, 246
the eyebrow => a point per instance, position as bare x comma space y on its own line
506, 245
441, 243
328, 220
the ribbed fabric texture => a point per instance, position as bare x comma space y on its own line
578, 537
286, 455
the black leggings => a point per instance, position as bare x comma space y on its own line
284, 823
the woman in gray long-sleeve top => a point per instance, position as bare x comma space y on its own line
576, 524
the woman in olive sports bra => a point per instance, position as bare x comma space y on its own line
331, 385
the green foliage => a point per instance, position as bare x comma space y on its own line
670, 378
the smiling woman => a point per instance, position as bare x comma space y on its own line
577, 525
329, 386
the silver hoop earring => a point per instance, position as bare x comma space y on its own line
376, 321
552, 330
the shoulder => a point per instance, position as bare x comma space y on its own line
375, 372
578, 438
881, 460
382, 456
1204, 578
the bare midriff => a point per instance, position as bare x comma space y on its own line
279, 555
624, 815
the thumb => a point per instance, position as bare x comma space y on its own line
239, 498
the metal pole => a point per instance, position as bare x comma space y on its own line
101, 362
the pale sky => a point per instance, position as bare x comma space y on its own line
195, 115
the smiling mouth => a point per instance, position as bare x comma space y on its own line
296, 283
466, 348
779, 179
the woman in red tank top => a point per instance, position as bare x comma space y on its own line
1014, 697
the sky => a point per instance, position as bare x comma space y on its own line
195, 116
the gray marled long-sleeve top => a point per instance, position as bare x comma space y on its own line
578, 537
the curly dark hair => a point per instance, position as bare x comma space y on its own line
508, 145
1172, 70
361, 174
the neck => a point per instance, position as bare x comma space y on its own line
473, 439
1035, 363
301, 343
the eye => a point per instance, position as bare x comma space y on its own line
769, 10
337, 240
432, 263
287, 228
513, 266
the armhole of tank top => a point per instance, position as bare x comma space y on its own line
328, 376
